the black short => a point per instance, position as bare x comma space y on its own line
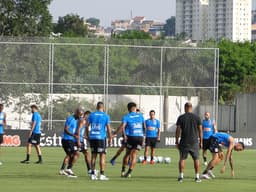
83, 147
206, 144
192, 150
151, 141
124, 143
98, 146
214, 145
69, 146
134, 142
1, 138
34, 139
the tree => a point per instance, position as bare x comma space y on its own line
71, 26
169, 27
133, 34
25, 18
93, 21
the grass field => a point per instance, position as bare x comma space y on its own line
159, 177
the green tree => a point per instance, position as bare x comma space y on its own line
237, 61
93, 21
169, 27
133, 34
71, 25
25, 18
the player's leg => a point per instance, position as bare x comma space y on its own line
136, 145
194, 152
144, 162
73, 156
125, 160
119, 151
1, 141
38, 149
152, 146
28, 151
183, 157
87, 160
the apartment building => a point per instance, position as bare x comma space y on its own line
214, 19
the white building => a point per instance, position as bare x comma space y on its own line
214, 19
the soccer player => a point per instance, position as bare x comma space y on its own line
34, 135
228, 141
69, 140
209, 128
133, 127
100, 129
82, 143
189, 129
2, 124
152, 136
123, 144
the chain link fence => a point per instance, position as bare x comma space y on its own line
59, 75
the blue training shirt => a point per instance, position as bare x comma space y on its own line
208, 128
1, 122
36, 117
223, 138
152, 127
98, 121
134, 124
72, 124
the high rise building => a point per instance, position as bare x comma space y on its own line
214, 19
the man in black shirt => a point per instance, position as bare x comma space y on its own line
189, 129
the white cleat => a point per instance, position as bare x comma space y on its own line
70, 173
103, 178
205, 163
210, 173
205, 176
63, 172
94, 177
1, 163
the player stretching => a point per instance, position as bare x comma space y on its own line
69, 139
133, 128
152, 136
100, 124
34, 135
209, 128
228, 141
82, 143
2, 124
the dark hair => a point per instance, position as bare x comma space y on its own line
1, 104
87, 112
152, 111
34, 106
242, 144
188, 105
100, 105
131, 105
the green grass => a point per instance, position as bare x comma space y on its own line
157, 178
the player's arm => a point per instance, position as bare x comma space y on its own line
158, 132
215, 127
109, 135
200, 134
33, 124
118, 130
228, 153
87, 130
231, 163
80, 125
177, 135
122, 127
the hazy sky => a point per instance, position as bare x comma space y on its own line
109, 10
